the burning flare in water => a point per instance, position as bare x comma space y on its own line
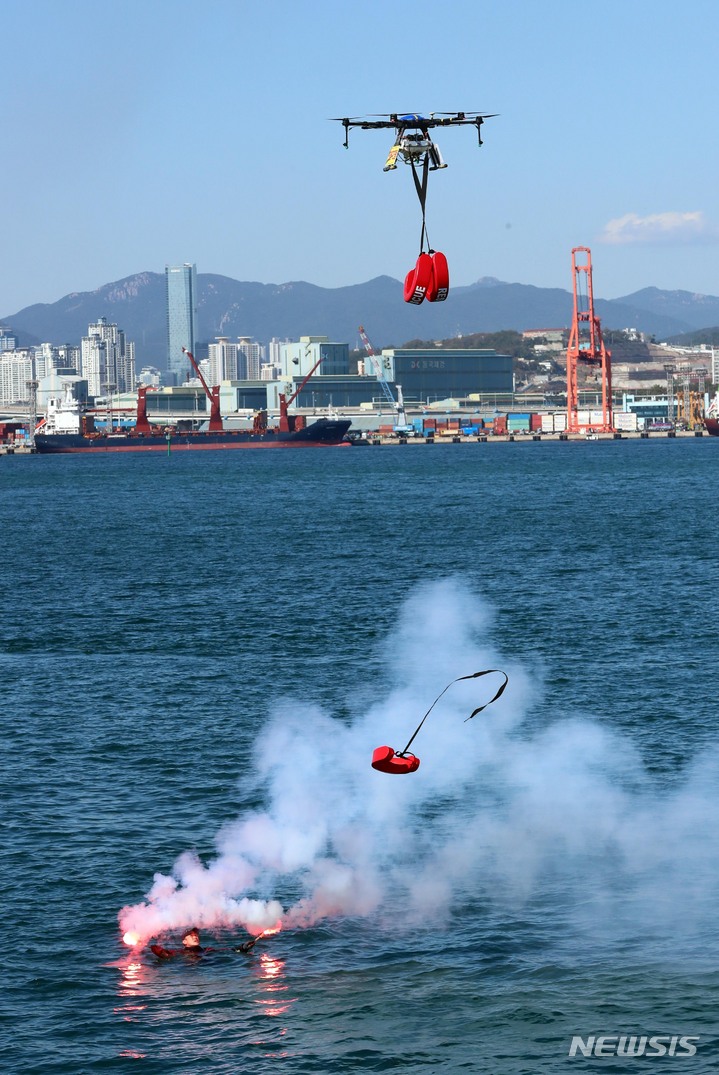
132, 939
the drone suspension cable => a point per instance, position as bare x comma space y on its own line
421, 188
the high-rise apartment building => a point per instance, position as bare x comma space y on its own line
107, 360
181, 317
223, 360
230, 361
253, 358
8, 340
50, 356
16, 371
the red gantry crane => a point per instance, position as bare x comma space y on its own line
586, 345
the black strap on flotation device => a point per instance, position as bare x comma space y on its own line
421, 188
474, 675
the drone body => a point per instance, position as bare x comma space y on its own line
414, 145
413, 141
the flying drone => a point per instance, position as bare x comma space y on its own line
413, 145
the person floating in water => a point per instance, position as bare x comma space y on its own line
191, 946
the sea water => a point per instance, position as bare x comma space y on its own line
196, 640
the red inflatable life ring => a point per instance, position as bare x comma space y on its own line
386, 761
439, 287
418, 280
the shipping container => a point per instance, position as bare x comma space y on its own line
626, 421
535, 423
518, 423
499, 425
6, 428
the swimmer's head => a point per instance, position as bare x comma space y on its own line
191, 938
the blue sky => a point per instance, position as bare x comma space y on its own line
144, 132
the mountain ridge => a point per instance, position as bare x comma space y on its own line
228, 307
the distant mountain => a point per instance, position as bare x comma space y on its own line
696, 311
707, 336
234, 308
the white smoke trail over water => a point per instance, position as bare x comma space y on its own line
566, 815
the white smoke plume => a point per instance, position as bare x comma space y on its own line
566, 813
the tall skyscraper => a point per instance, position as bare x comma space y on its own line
181, 316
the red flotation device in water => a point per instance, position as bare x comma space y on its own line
386, 760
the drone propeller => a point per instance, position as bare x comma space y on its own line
467, 115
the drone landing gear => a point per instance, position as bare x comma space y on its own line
390, 164
428, 280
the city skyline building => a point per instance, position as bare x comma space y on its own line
107, 359
17, 369
20, 366
222, 356
8, 339
253, 353
299, 357
235, 361
181, 287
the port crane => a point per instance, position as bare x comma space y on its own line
213, 394
290, 422
586, 345
397, 405
685, 387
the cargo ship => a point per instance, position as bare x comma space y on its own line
711, 418
66, 428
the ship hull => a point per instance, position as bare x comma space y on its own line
324, 433
712, 426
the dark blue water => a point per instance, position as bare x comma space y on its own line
199, 653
